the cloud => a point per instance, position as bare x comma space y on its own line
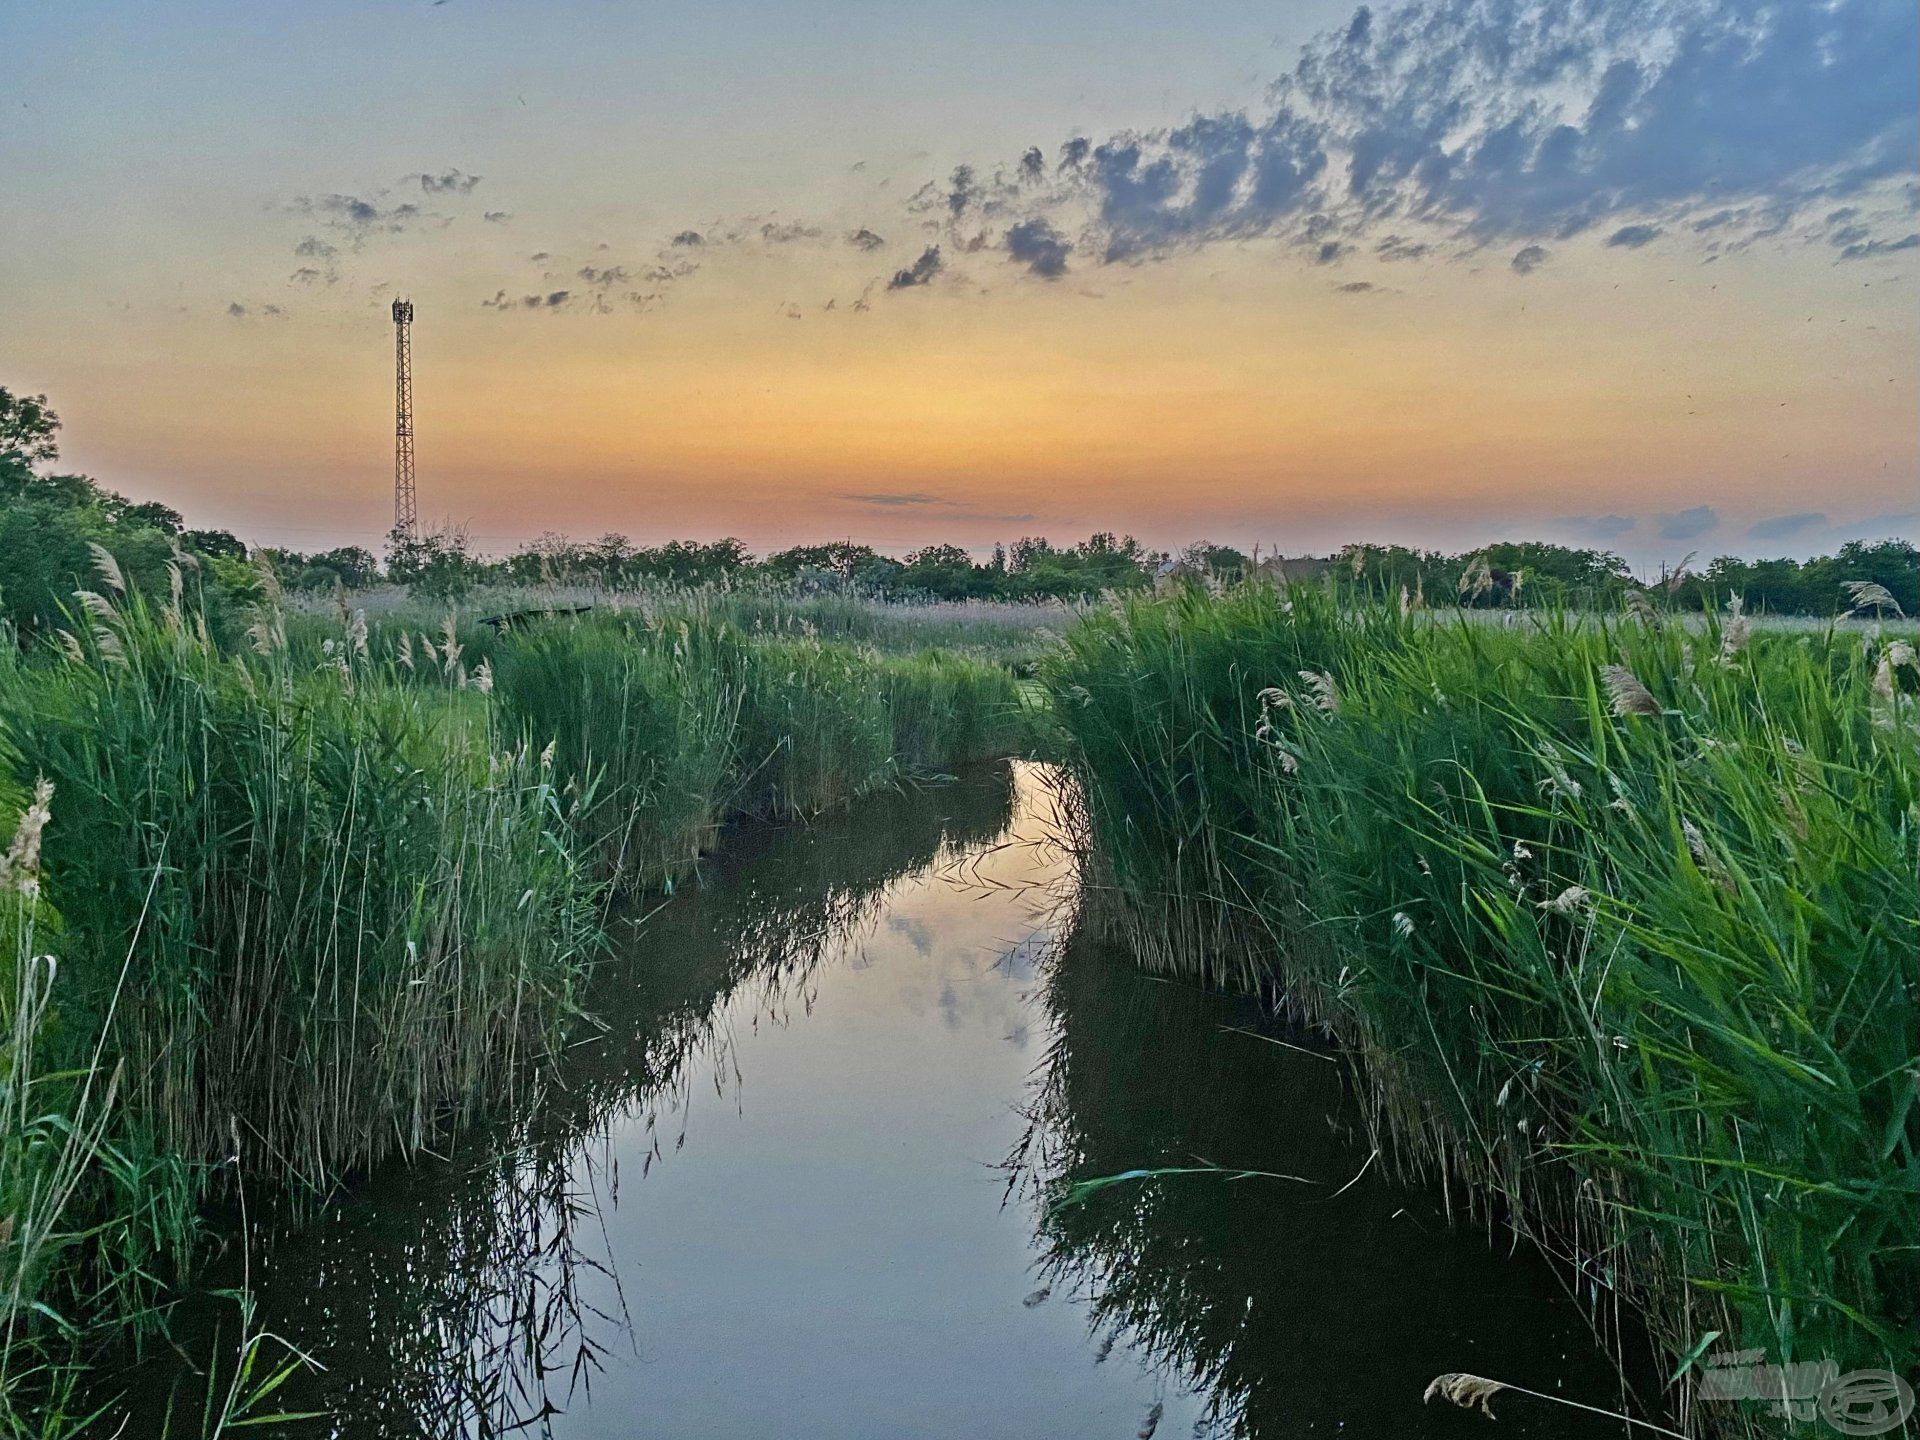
236, 309
1785, 527
1867, 249
786, 232
921, 272
1038, 246
550, 300
1356, 287
602, 278
1217, 177
1398, 247
893, 498
1632, 237
447, 182
497, 217
921, 500
865, 239
357, 217
1459, 123
1881, 527
1529, 259
1689, 524
965, 190
1598, 528
688, 238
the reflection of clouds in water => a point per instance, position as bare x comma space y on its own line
957, 942
913, 930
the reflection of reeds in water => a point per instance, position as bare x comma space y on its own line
1141, 1268
476, 1297
1250, 1253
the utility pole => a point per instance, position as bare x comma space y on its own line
405, 518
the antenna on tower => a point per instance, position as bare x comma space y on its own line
405, 520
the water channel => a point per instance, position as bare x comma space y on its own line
805, 1182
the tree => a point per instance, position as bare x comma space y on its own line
435, 566
220, 543
27, 430
1223, 562
48, 524
946, 572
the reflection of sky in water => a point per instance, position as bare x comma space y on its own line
834, 1258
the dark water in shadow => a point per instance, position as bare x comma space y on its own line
799, 1187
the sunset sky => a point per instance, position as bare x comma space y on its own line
1640, 275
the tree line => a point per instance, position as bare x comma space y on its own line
49, 519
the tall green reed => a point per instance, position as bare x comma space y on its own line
348, 920
1618, 918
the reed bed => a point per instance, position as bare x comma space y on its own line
1617, 918
320, 902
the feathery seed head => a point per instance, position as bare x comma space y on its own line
1466, 1391
1871, 595
1627, 694
107, 568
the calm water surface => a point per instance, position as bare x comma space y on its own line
799, 1187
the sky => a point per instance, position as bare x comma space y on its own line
1638, 274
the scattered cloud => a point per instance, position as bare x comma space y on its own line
360, 215
497, 217
1632, 237
1867, 249
689, 238
1601, 529
1357, 287
865, 239
921, 500
447, 182
1529, 258
1399, 247
550, 300
778, 232
1689, 524
921, 272
1785, 527
893, 498
1881, 527
1037, 245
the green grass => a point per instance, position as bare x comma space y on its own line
1645, 978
